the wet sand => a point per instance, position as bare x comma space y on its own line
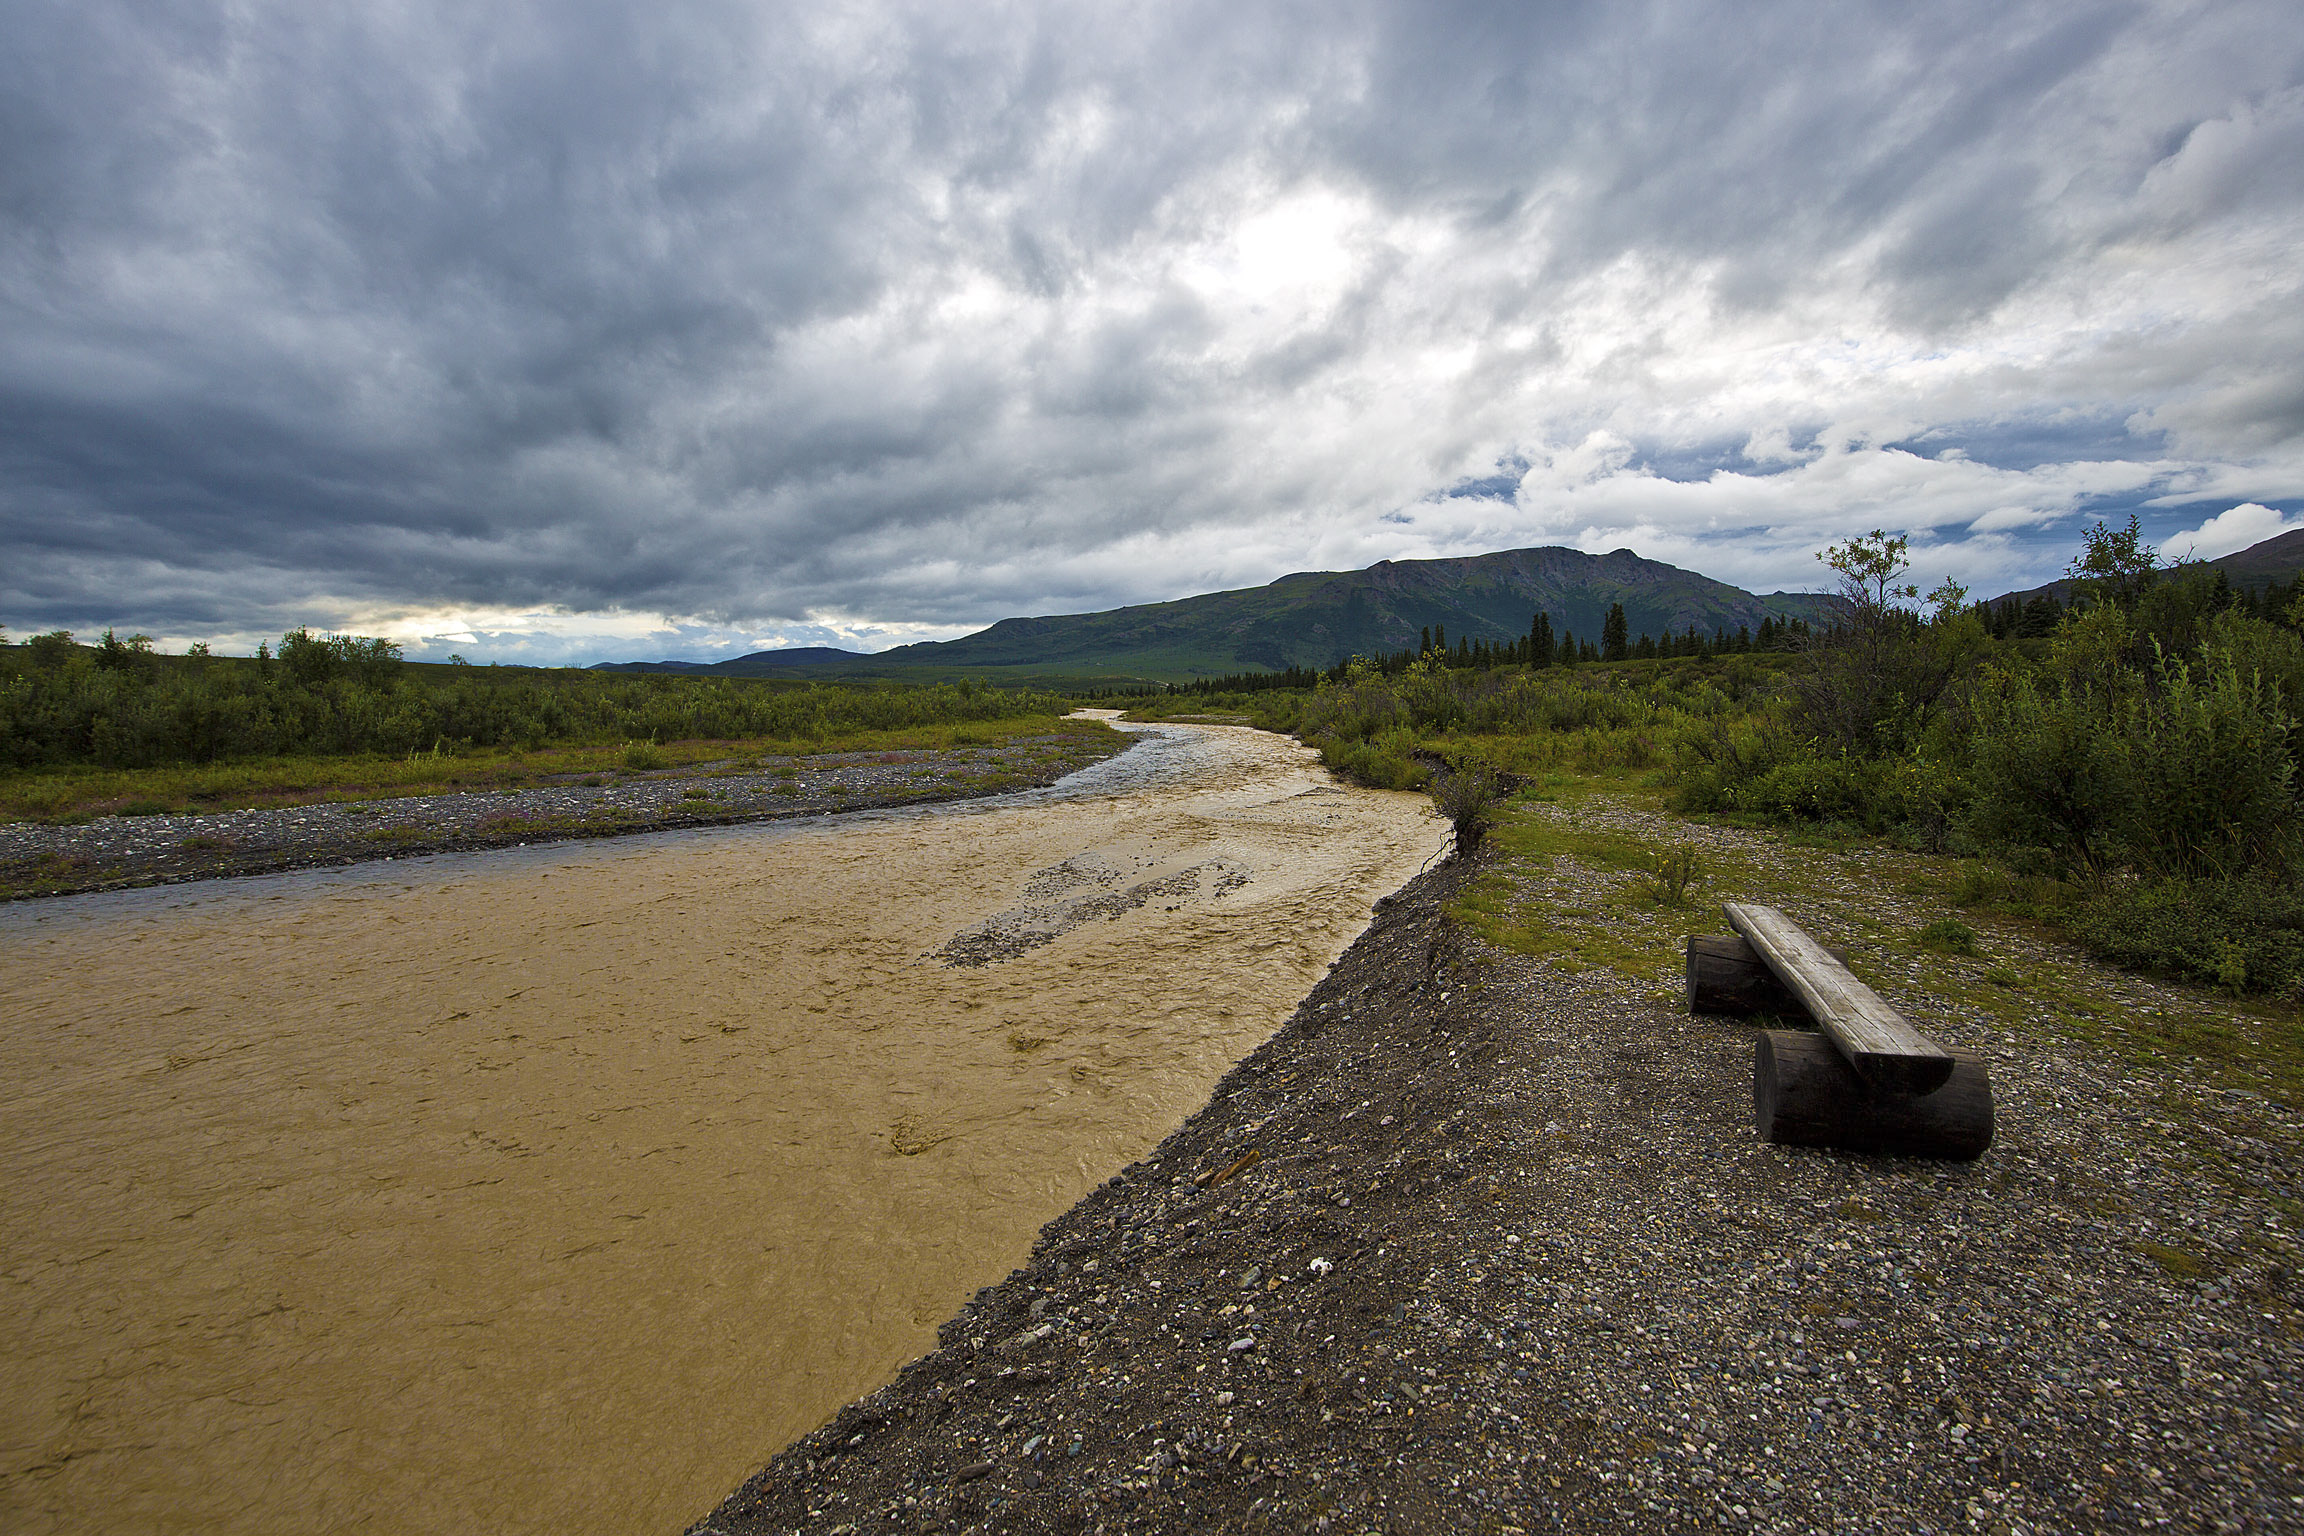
556, 1188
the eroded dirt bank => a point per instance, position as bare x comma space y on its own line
1477, 1244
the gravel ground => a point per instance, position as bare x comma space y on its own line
42, 859
1477, 1243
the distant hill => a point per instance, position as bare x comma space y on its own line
1317, 618
2279, 558
757, 664
1311, 619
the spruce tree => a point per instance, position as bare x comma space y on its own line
1542, 652
1612, 634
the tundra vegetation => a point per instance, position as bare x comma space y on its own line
114, 726
2120, 762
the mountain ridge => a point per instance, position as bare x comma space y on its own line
1317, 618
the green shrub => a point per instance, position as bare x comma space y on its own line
1872, 794
1672, 872
1467, 797
1949, 936
2187, 772
641, 756
2212, 749
1387, 762
2243, 935
2049, 772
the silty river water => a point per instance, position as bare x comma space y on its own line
556, 1188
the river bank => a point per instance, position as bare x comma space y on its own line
115, 852
1484, 1240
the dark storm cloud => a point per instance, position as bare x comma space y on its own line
809, 321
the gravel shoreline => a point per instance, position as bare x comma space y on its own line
43, 859
1476, 1242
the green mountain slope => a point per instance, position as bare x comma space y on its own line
783, 663
1317, 618
2279, 558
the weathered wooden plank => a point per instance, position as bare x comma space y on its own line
1805, 1094
1886, 1051
1727, 975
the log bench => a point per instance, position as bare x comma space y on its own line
1867, 1081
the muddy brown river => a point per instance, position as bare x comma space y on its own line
554, 1189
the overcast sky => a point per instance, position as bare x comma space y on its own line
570, 330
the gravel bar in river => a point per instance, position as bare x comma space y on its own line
38, 858
1475, 1243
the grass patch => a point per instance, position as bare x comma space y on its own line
1539, 898
2179, 1263
52, 872
2255, 1043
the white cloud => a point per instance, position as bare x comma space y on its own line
2229, 532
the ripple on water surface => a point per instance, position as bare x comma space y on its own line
556, 1188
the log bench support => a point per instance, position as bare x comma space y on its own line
1867, 1081
1727, 975
1804, 1094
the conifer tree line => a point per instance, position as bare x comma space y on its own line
2013, 617
1540, 647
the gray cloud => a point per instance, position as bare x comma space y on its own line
725, 323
